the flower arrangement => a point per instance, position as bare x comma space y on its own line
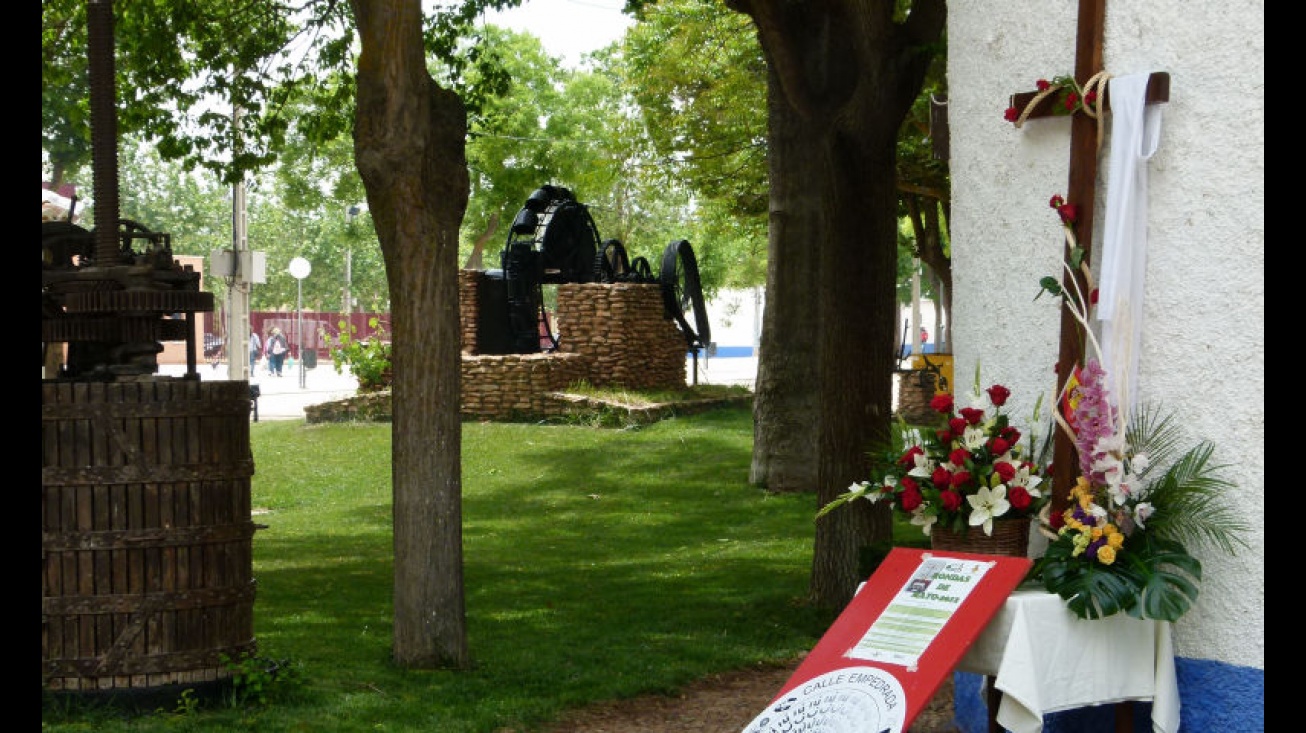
1069, 97
1119, 546
966, 473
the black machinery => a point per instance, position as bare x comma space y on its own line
114, 293
553, 240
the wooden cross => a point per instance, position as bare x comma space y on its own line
1080, 192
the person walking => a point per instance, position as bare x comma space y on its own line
255, 351
277, 350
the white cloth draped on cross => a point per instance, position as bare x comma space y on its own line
1135, 134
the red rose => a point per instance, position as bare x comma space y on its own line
944, 435
950, 500
942, 477
1004, 470
973, 415
998, 395
1010, 434
1042, 85
1091, 98
911, 498
1057, 520
998, 446
1056, 201
909, 484
1069, 213
960, 479
958, 457
957, 425
942, 403
1012, 114
908, 459
1019, 497
1072, 99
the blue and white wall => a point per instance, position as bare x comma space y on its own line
1203, 335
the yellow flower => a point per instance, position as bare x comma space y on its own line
1081, 543
1106, 554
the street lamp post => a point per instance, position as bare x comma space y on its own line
299, 269
348, 305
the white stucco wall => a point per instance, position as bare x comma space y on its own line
1203, 339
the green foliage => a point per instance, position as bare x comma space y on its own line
367, 359
599, 564
1153, 575
188, 703
261, 681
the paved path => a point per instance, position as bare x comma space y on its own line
281, 398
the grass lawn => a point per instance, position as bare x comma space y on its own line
599, 564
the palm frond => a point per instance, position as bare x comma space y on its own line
1191, 502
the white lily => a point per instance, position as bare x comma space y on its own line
974, 437
923, 520
986, 505
1142, 512
924, 467
1024, 478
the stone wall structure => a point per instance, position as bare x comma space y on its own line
610, 335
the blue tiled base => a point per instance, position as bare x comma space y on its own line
1213, 697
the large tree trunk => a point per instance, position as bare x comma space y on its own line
845, 76
785, 407
409, 147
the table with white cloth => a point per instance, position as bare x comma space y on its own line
1044, 659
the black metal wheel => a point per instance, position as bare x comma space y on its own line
568, 243
640, 271
682, 293
611, 265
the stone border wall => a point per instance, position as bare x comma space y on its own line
624, 333
610, 335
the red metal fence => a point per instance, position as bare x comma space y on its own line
320, 328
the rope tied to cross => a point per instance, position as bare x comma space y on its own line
1094, 88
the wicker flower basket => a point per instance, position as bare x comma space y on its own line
1010, 537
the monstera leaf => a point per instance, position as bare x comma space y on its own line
1153, 578
1170, 578
1091, 590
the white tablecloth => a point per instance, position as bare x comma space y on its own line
1044, 659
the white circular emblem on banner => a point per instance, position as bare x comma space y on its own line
848, 700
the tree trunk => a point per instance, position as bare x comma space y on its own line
924, 214
409, 147
785, 408
844, 76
